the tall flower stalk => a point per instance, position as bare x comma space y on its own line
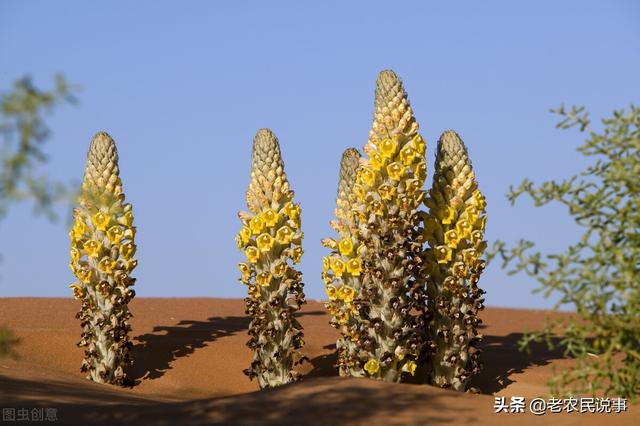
388, 194
454, 230
271, 240
102, 250
342, 270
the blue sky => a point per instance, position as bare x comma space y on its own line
183, 87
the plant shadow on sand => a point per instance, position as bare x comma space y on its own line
501, 359
320, 401
154, 352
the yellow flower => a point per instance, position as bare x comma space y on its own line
126, 219
463, 227
252, 254
354, 266
408, 155
256, 225
345, 246
254, 291
388, 147
347, 293
79, 227
84, 275
395, 170
326, 264
244, 269
479, 199
264, 242
413, 186
106, 265
372, 367
270, 217
296, 254
75, 254
292, 210
130, 265
376, 161
367, 176
284, 235
470, 255
78, 292
279, 269
410, 367
338, 266
359, 191
472, 214
244, 235
328, 279
419, 144
92, 247
127, 250
476, 237
115, 234
386, 191
101, 220
443, 254
376, 207
331, 292
264, 278
447, 215
460, 269
451, 238
129, 233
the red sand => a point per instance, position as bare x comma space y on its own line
190, 354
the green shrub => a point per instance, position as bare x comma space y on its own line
599, 275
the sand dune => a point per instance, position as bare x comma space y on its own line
190, 354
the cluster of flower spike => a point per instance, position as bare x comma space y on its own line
102, 250
454, 230
387, 193
271, 240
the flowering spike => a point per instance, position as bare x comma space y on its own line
102, 246
388, 197
457, 217
270, 238
343, 267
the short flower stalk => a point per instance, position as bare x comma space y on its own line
271, 239
102, 259
454, 230
342, 270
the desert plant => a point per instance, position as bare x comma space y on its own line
454, 230
342, 270
388, 194
599, 275
8, 342
102, 250
271, 240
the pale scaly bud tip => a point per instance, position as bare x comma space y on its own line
265, 140
101, 144
450, 142
350, 158
388, 86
